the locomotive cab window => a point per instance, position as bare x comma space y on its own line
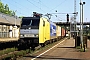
30, 22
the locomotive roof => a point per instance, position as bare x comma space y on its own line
31, 18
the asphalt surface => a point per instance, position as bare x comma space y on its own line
64, 50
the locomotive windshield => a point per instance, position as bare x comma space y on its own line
31, 21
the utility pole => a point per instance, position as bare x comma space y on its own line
15, 18
81, 22
75, 28
80, 25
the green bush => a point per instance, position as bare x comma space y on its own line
8, 50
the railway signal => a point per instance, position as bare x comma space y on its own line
67, 17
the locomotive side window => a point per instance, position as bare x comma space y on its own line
43, 23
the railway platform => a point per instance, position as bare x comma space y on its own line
8, 39
64, 50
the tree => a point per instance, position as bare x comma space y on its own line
1, 7
13, 13
10, 12
6, 9
20, 16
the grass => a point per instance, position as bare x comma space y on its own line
8, 50
81, 49
17, 54
78, 47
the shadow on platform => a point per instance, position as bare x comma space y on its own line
65, 47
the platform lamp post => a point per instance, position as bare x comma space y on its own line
81, 22
15, 17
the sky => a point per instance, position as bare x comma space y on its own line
27, 7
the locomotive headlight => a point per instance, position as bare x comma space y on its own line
21, 35
37, 35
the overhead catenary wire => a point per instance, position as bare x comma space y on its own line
22, 5
35, 6
58, 5
49, 7
42, 4
16, 9
62, 19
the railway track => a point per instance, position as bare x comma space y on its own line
5, 56
14, 53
